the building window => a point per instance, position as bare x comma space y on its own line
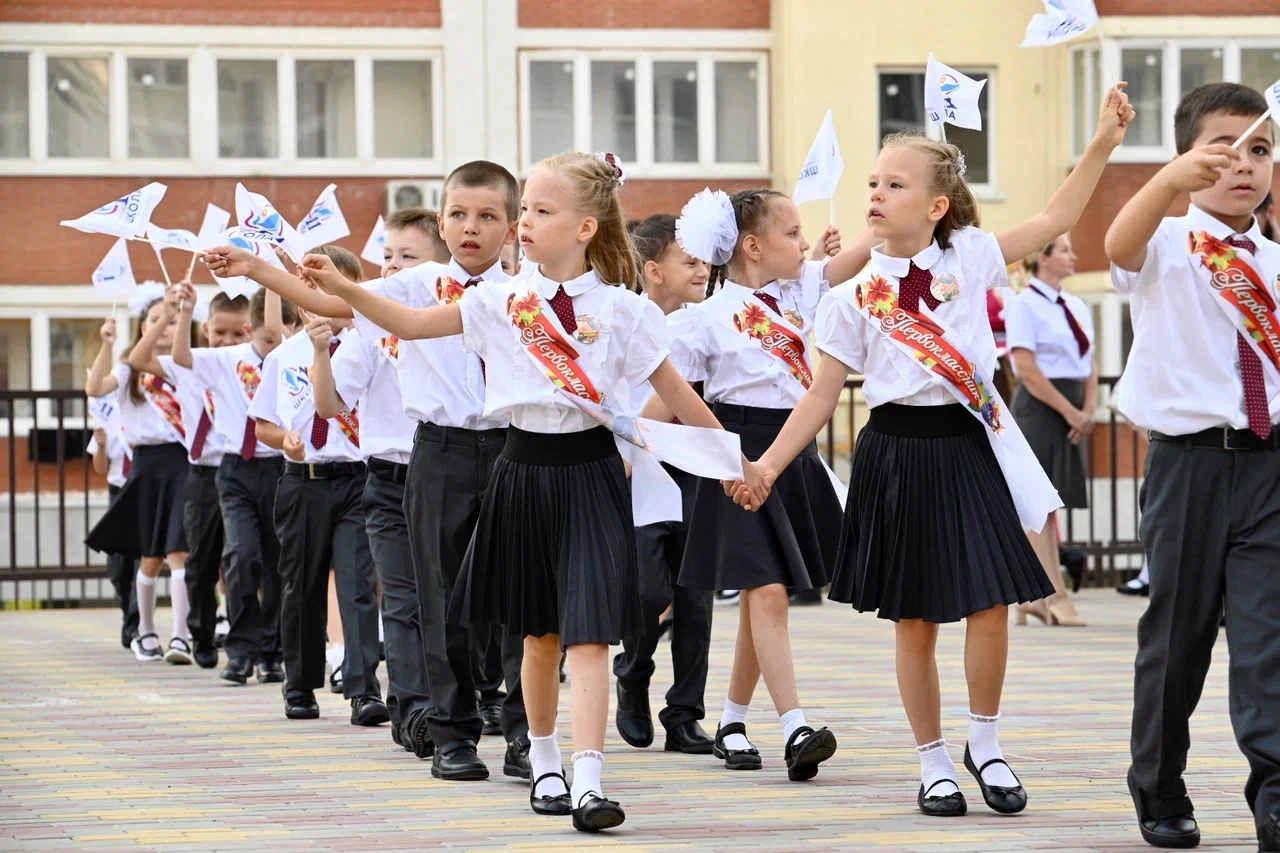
1144, 69
248, 117
15, 112
73, 344
158, 109
326, 107
15, 363
403, 109
1198, 66
1259, 67
675, 112
550, 108
901, 99
613, 108
737, 106
79, 106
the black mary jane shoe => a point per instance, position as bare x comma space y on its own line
688, 738
998, 798
1179, 832
804, 757
735, 759
952, 805
597, 813
557, 806
515, 763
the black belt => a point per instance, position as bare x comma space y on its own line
445, 436
202, 470
393, 472
323, 470
1223, 438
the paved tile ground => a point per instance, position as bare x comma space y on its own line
101, 753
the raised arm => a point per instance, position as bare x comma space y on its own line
1064, 209
142, 357
410, 324
101, 382
323, 388
230, 261
851, 259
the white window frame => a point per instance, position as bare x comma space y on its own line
202, 126
645, 166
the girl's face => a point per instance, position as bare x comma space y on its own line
551, 228
780, 241
155, 314
1061, 262
900, 202
677, 273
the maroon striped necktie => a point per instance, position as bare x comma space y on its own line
320, 426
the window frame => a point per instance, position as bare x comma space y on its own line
645, 166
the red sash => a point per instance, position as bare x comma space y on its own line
1242, 288
548, 346
775, 338
349, 423
164, 400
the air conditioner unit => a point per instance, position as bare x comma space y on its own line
402, 194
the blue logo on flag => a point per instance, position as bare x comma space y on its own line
317, 217
948, 84
111, 207
265, 220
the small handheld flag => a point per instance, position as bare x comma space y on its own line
1061, 20
212, 228
250, 241
114, 276
171, 238
373, 249
822, 168
951, 97
127, 216
324, 223
1272, 94
261, 222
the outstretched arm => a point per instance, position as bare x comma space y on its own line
411, 324
230, 261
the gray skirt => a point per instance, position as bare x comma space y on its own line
1046, 432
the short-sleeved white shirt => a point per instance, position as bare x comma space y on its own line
156, 420
365, 377
1035, 321
234, 374
197, 400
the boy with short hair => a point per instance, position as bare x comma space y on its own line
1204, 377
419, 241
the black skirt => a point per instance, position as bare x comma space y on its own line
792, 540
930, 530
554, 550
145, 520
1046, 431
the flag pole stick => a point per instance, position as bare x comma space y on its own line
1251, 129
832, 208
192, 267
1107, 70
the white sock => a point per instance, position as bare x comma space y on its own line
181, 605
735, 713
984, 745
544, 758
586, 775
222, 607
792, 720
1144, 577
146, 590
334, 655
382, 637
936, 764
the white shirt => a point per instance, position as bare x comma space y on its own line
234, 374
891, 375
733, 366
106, 414
364, 372
1183, 374
625, 342
1034, 321
196, 400
440, 383
286, 399
157, 420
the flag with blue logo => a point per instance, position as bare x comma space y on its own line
114, 276
951, 97
127, 216
250, 241
822, 168
1061, 20
171, 238
212, 228
324, 223
377, 241
259, 221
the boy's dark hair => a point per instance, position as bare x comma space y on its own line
482, 173
258, 310
1201, 102
224, 303
653, 236
632, 225
426, 221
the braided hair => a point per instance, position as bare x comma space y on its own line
750, 207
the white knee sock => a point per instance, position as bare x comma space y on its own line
586, 775
181, 605
984, 745
791, 721
334, 655
146, 590
936, 764
1144, 577
735, 713
544, 757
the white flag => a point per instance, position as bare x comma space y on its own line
253, 241
1272, 94
373, 249
114, 275
822, 168
215, 224
324, 223
1062, 20
171, 238
126, 217
255, 214
949, 96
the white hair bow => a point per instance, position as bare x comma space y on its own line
707, 228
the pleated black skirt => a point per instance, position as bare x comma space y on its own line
792, 540
930, 530
1046, 431
145, 520
554, 550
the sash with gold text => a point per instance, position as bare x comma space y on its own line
1243, 295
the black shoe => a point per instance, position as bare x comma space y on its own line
998, 799
633, 719
206, 656
417, 738
952, 805
369, 711
302, 707
1269, 835
395, 733
1073, 561
735, 759
557, 806
689, 738
804, 757
516, 762
127, 633
460, 764
237, 671
1179, 832
1131, 588
220, 629
269, 673
491, 718
595, 813
335, 680
807, 597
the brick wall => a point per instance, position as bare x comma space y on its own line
1186, 7
646, 14
281, 13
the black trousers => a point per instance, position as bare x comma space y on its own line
388, 531
320, 523
448, 474
498, 658
202, 525
1211, 530
247, 493
660, 551
122, 571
